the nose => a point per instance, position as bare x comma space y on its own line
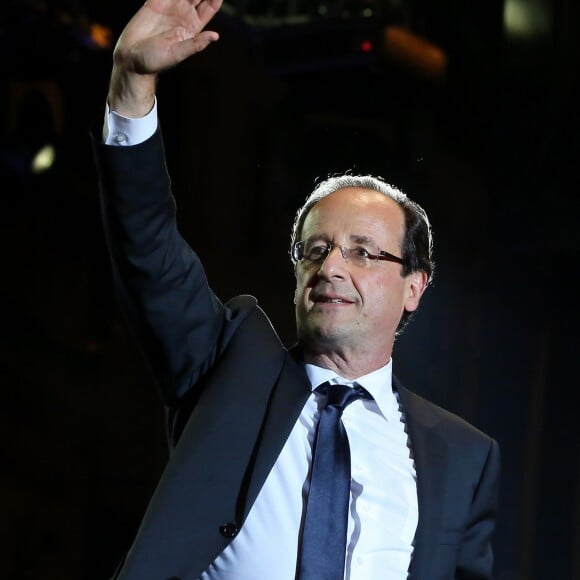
334, 264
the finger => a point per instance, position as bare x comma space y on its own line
207, 9
196, 44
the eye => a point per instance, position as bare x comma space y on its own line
315, 253
361, 252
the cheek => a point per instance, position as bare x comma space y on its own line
373, 290
301, 292
383, 296
303, 280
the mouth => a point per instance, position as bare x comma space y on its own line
329, 299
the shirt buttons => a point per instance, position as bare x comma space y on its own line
229, 530
120, 138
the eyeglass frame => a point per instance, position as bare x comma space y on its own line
382, 255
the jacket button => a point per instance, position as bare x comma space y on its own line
229, 530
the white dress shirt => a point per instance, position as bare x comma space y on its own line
383, 512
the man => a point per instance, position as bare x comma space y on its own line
242, 409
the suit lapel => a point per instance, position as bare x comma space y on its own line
286, 403
430, 456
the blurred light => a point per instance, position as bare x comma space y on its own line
43, 160
415, 52
366, 46
101, 36
527, 19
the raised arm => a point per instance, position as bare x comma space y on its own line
162, 34
160, 281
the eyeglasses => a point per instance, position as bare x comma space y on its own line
363, 255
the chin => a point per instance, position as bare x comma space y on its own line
319, 338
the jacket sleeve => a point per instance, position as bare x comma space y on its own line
159, 280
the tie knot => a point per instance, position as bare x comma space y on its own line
340, 396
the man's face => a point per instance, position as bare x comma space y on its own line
342, 307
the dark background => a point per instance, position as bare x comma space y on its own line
489, 148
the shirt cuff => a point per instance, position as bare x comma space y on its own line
119, 130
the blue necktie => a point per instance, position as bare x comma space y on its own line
323, 544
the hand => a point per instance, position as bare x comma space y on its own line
161, 34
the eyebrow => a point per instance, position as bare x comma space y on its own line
362, 239
356, 238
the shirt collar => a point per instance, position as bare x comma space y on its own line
378, 383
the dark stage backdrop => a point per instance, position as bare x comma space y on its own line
488, 147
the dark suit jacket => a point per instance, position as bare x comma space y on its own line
233, 392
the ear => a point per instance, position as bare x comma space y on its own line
417, 283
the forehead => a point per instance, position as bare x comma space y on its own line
356, 211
